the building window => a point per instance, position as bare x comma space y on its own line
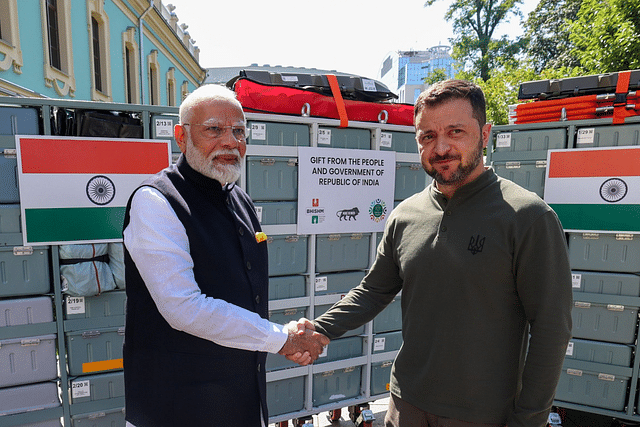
52, 32
97, 69
99, 50
131, 70
10, 37
184, 90
171, 87
56, 39
154, 77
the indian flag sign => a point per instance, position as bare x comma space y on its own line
595, 189
75, 190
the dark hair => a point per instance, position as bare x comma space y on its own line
441, 92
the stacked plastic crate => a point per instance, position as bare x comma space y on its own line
600, 371
28, 363
308, 274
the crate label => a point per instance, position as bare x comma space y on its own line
369, 85
586, 136
259, 131
75, 305
503, 140
259, 213
569, 349
321, 283
378, 344
386, 139
576, 280
164, 128
324, 136
81, 389
291, 79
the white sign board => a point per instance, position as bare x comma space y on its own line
344, 191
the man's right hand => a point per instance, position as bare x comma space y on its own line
303, 344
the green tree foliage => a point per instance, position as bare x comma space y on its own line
437, 75
606, 35
474, 22
547, 34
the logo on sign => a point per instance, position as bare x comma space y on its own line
377, 210
100, 190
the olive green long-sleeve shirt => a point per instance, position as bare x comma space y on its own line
486, 302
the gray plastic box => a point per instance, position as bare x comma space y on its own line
410, 179
162, 128
600, 322
401, 142
338, 283
93, 388
27, 398
285, 396
10, 227
9, 192
606, 283
278, 134
26, 311
344, 138
24, 270
340, 349
90, 352
284, 287
596, 389
529, 174
389, 319
380, 377
272, 178
274, 213
287, 255
342, 252
17, 121
107, 418
605, 252
599, 352
337, 385
108, 304
386, 341
608, 136
528, 144
28, 360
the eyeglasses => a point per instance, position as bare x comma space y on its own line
215, 131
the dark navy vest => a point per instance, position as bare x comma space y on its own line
173, 378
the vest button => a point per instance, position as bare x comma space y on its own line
257, 299
241, 231
248, 265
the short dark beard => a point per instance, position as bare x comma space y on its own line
459, 174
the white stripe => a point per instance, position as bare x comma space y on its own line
587, 190
70, 190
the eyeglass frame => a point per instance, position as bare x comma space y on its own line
224, 128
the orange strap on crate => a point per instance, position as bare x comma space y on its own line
620, 104
335, 90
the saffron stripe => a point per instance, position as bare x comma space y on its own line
46, 226
95, 156
585, 163
619, 218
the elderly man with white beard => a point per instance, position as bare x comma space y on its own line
197, 332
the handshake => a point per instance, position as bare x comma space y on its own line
304, 344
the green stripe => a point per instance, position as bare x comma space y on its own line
73, 224
603, 217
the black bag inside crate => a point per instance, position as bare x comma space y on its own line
96, 123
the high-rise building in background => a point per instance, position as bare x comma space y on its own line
404, 71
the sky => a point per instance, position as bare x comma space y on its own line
348, 36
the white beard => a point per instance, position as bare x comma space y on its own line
209, 166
